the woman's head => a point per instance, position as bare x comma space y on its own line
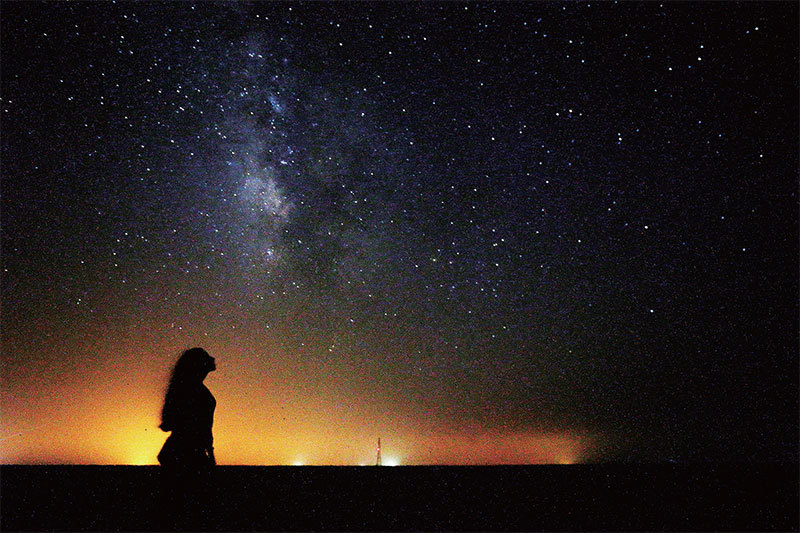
191, 369
193, 364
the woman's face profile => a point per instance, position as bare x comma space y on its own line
212, 365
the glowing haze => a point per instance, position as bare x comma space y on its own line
109, 415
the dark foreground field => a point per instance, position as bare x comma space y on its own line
596, 497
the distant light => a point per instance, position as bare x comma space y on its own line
142, 458
391, 461
297, 463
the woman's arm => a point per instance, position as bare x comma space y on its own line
211, 456
210, 446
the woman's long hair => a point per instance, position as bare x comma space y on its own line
191, 368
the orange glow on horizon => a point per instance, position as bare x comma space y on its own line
129, 441
108, 413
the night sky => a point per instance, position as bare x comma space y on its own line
486, 233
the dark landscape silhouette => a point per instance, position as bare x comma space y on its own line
670, 497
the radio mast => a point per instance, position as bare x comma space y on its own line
378, 461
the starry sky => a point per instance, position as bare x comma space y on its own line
486, 233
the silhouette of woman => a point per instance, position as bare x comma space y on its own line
189, 414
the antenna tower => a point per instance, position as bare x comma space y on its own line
378, 461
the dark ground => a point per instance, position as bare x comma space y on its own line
588, 497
